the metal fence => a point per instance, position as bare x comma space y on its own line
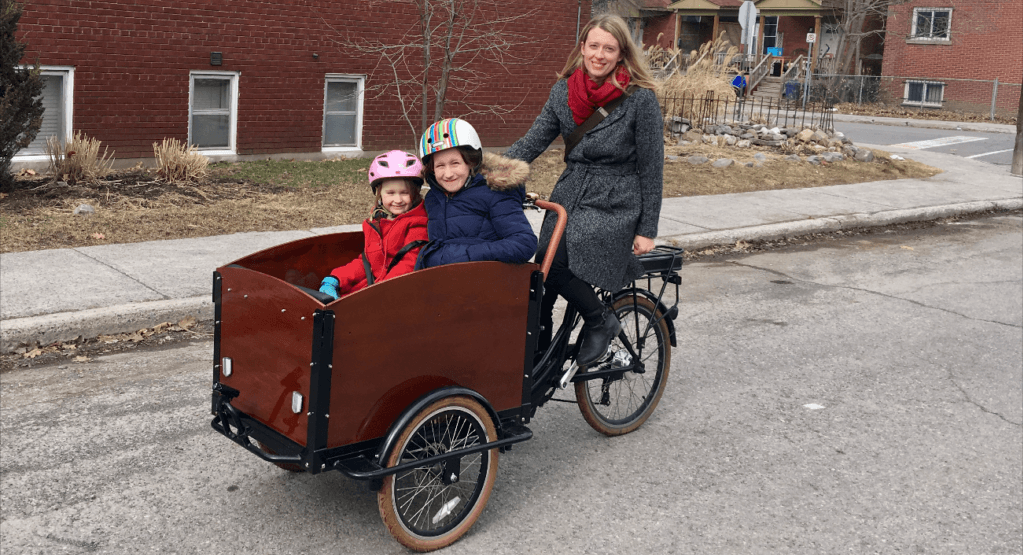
990, 98
710, 109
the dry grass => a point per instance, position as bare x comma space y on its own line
78, 160
136, 206
178, 162
703, 75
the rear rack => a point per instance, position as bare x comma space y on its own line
662, 261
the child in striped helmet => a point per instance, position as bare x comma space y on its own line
475, 200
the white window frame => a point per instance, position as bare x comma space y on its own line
68, 72
923, 97
360, 93
915, 35
232, 76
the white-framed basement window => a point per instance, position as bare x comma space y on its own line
58, 104
924, 93
342, 112
213, 111
931, 24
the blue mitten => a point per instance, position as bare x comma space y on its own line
329, 286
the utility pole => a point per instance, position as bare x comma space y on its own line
1017, 152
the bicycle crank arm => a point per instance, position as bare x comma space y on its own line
567, 378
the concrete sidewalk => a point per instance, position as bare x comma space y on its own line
58, 295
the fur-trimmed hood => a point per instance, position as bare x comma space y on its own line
503, 173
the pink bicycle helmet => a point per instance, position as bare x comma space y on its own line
395, 164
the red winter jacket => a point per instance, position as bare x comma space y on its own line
384, 239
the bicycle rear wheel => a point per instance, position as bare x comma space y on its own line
617, 405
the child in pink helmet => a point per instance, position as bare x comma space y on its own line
395, 230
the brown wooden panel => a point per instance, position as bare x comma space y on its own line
307, 261
266, 329
462, 324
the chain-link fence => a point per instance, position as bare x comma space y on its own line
990, 98
709, 109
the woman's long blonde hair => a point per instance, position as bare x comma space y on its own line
632, 55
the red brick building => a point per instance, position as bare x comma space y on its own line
252, 77
946, 53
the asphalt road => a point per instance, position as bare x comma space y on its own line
994, 148
861, 395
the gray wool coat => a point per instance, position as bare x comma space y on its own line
611, 187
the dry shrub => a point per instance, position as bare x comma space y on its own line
705, 73
78, 160
177, 162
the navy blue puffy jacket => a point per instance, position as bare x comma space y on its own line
483, 221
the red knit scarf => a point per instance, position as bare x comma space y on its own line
585, 96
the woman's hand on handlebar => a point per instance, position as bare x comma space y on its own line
642, 245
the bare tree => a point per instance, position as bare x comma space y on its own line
858, 20
445, 56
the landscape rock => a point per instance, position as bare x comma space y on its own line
821, 137
742, 144
693, 136
760, 156
723, 163
864, 155
832, 157
805, 136
84, 210
793, 158
748, 136
762, 142
696, 160
672, 158
815, 160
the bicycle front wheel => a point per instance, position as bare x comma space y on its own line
617, 405
430, 507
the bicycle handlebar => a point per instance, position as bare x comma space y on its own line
559, 230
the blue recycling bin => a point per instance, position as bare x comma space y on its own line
791, 90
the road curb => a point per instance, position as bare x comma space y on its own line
692, 241
125, 318
66, 326
975, 127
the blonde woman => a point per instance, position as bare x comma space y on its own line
612, 184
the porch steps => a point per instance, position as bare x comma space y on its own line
769, 87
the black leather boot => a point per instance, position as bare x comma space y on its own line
595, 338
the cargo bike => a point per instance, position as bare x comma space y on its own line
313, 385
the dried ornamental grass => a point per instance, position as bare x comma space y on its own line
78, 160
178, 162
705, 73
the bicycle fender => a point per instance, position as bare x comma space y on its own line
660, 306
412, 410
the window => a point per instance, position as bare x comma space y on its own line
342, 112
213, 111
924, 93
931, 24
770, 32
58, 84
